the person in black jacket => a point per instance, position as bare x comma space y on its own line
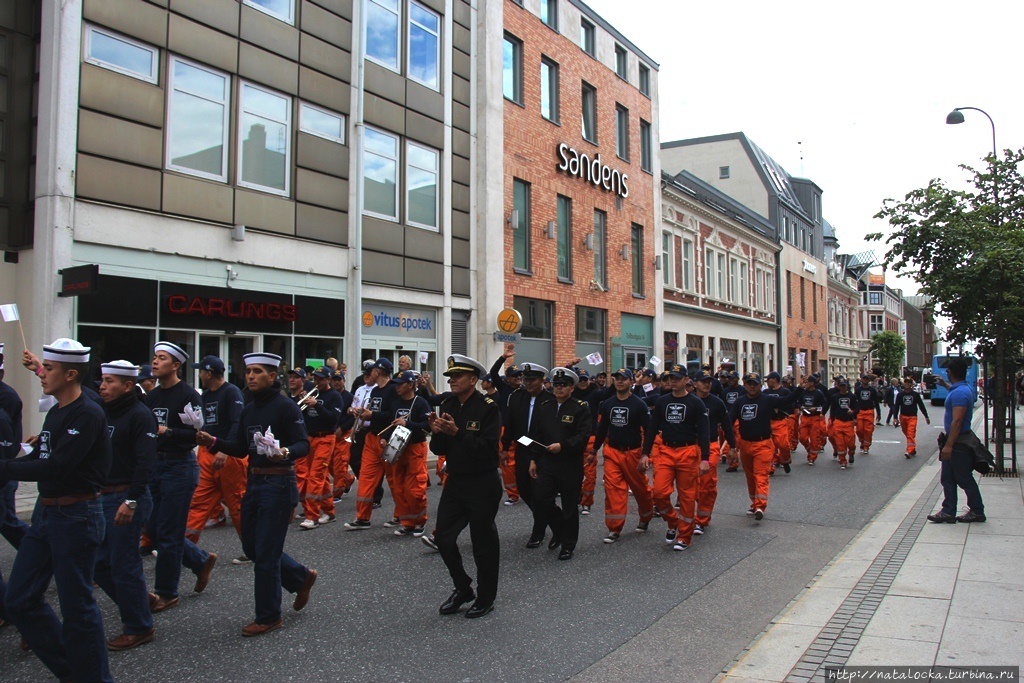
126, 502
467, 433
559, 470
11, 528
409, 471
272, 433
341, 477
71, 462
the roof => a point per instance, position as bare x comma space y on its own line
600, 21
717, 200
827, 230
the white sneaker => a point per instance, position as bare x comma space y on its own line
510, 502
679, 546
325, 518
307, 524
585, 510
300, 515
698, 530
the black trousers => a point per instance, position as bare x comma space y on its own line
471, 500
527, 490
355, 461
565, 479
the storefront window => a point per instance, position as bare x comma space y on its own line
757, 353
536, 344
694, 353
315, 351
590, 336
116, 343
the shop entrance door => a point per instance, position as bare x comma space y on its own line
229, 348
394, 352
636, 359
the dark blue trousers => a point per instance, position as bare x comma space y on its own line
119, 567
958, 471
172, 486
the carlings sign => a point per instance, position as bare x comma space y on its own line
592, 170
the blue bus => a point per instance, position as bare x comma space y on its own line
939, 392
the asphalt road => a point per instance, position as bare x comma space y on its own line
634, 610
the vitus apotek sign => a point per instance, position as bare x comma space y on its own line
390, 321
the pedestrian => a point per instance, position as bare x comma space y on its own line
780, 424
842, 412
731, 391
955, 456
467, 433
868, 406
321, 411
341, 477
812, 405
71, 461
409, 470
890, 400
909, 402
372, 469
718, 419
272, 433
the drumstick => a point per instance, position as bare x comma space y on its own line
388, 427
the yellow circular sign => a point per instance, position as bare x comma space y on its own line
367, 319
510, 321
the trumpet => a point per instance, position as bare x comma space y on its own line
312, 394
357, 427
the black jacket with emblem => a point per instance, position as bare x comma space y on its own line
474, 448
568, 424
520, 423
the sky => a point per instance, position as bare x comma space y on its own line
853, 96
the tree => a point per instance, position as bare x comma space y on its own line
888, 349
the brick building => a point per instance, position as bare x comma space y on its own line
580, 178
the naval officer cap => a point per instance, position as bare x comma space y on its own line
458, 363
171, 349
564, 377
121, 368
533, 370
66, 350
262, 358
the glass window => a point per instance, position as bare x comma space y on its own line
424, 46
549, 13
600, 248
587, 37
118, 53
564, 238
282, 9
723, 172
734, 281
622, 132
688, 265
621, 62
645, 80
720, 276
382, 33
646, 158
549, 90
197, 120
636, 256
744, 284
521, 230
380, 174
667, 271
421, 185
709, 271
589, 113
322, 123
590, 324
512, 69
264, 139
875, 298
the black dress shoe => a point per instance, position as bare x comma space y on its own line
970, 517
554, 542
456, 600
478, 610
942, 518
534, 541
566, 554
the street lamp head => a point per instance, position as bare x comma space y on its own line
954, 117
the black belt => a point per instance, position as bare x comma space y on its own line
680, 444
624, 447
756, 438
68, 500
118, 488
161, 455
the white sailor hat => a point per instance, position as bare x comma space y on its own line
459, 363
66, 350
121, 368
562, 375
533, 370
172, 349
263, 358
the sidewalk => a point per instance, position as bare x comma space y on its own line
907, 592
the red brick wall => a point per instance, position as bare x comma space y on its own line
809, 328
531, 144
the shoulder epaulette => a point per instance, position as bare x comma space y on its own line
488, 400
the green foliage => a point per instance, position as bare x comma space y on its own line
888, 348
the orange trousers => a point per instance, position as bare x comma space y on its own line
372, 470
678, 468
794, 430
830, 433
225, 485
845, 440
780, 438
341, 477
621, 474
508, 474
757, 462
410, 471
707, 487
589, 474
311, 476
812, 434
865, 427
909, 425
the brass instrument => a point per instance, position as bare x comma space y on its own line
312, 394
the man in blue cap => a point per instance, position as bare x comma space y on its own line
372, 469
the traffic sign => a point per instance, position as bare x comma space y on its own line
506, 338
510, 321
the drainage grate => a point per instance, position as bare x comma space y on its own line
835, 643
1004, 475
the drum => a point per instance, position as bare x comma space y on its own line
396, 444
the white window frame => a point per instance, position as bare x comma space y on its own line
437, 185
398, 38
288, 123
223, 177
733, 264
668, 271
154, 73
288, 19
398, 176
436, 34
303, 106
744, 283
715, 272
688, 265
759, 294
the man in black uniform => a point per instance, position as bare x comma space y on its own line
11, 528
466, 433
126, 502
908, 402
174, 480
869, 406
718, 418
71, 462
559, 471
272, 433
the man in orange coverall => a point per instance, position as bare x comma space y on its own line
908, 402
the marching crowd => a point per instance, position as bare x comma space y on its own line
144, 464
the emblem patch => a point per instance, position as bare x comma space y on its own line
748, 411
567, 419
473, 426
619, 417
675, 413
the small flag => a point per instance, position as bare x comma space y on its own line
424, 357
9, 312
655, 361
595, 359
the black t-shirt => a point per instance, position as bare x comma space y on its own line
221, 409
755, 414
909, 402
843, 407
132, 429
324, 415
681, 420
867, 397
622, 422
178, 440
11, 402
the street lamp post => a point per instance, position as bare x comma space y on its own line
999, 428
